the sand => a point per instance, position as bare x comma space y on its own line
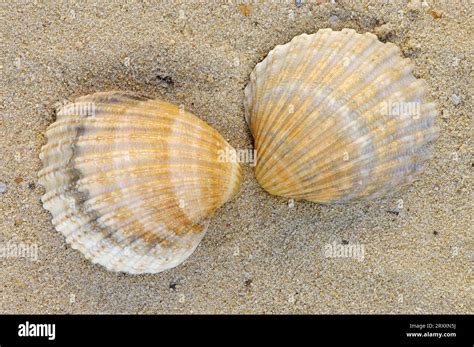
261, 254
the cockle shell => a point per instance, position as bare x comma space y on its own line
131, 181
337, 116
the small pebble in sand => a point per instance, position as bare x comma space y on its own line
245, 9
236, 252
384, 31
456, 99
410, 47
416, 5
333, 18
299, 3
3, 187
291, 15
436, 14
17, 63
126, 62
456, 61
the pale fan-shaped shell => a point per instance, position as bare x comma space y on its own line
337, 116
130, 181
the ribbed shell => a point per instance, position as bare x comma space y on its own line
332, 116
130, 181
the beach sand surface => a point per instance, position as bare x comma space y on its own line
261, 254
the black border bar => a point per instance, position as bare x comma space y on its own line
159, 330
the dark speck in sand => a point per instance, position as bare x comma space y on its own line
162, 79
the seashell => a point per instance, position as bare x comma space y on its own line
131, 182
337, 116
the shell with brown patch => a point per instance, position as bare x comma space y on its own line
131, 181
